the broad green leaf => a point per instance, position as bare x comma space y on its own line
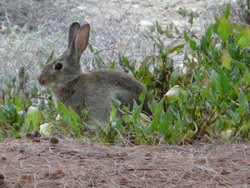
164, 125
61, 109
73, 115
157, 116
136, 111
215, 81
246, 77
34, 117
192, 44
197, 76
112, 65
19, 104
226, 60
143, 95
224, 82
244, 40
208, 33
243, 103
125, 61
240, 65
225, 28
186, 37
204, 43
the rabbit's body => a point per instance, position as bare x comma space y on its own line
97, 89
94, 90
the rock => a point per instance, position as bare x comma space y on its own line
146, 23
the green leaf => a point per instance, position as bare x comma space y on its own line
125, 61
73, 116
225, 28
186, 37
204, 44
34, 117
136, 111
157, 114
208, 33
192, 44
176, 93
158, 28
174, 46
224, 82
226, 60
50, 57
246, 77
243, 104
182, 12
164, 125
197, 76
240, 65
215, 82
143, 95
112, 65
61, 109
19, 104
244, 40
227, 12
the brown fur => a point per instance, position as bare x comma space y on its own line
95, 89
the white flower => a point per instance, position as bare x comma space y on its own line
174, 93
45, 129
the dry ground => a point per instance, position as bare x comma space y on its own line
40, 162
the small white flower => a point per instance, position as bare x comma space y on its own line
174, 93
45, 129
58, 117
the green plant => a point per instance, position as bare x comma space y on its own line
210, 97
216, 81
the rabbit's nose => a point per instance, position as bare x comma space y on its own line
41, 80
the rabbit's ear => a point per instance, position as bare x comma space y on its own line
82, 38
72, 33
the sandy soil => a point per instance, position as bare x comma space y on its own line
39, 162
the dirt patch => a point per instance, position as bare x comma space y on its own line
78, 163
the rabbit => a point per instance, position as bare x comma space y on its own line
94, 90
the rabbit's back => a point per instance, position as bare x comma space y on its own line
95, 90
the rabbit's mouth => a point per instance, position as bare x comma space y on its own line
43, 81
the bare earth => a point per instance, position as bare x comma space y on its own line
40, 162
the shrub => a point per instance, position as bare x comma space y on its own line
209, 98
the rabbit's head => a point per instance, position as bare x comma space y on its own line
66, 67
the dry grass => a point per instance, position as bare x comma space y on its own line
78, 163
31, 29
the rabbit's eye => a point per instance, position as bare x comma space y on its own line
58, 66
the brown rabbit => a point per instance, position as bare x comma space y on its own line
95, 89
